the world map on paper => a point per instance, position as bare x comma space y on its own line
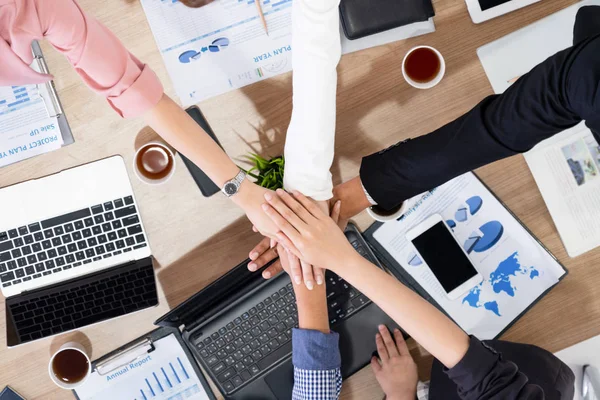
501, 280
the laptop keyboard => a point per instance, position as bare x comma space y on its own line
109, 294
261, 336
69, 241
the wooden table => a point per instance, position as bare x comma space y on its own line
195, 240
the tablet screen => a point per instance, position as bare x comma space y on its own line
487, 4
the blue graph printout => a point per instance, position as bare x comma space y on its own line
515, 269
222, 46
26, 129
164, 374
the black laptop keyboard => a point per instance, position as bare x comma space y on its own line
261, 336
108, 294
69, 241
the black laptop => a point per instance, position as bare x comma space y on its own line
240, 328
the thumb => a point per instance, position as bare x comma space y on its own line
335, 213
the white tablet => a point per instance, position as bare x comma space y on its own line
483, 10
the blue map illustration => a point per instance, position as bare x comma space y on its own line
501, 280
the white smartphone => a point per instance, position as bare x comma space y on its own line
444, 256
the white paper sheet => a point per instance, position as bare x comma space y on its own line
26, 130
566, 169
222, 46
164, 374
516, 270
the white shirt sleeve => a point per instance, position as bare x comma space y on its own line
310, 137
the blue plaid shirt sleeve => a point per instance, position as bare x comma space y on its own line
316, 359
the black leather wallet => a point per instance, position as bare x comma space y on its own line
361, 18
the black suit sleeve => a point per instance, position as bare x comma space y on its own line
556, 95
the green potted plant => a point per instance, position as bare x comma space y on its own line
268, 173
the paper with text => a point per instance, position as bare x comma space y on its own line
221, 46
164, 374
516, 270
26, 130
566, 169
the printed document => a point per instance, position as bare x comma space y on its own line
163, 374
223, 46
566, 169
516, 269
26, 129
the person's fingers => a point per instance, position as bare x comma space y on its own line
295, 268
293, 204
309, 205
272, 270
375, 365
401, 343
290, 232
383, 354
268, 255
335, 212
288, 244
319, 275
388, 341
307, 275
254, 229
260, 248
278, 204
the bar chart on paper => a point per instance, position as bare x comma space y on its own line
164, 374
171, 382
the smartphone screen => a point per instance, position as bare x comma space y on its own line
444, 257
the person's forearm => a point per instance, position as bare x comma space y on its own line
310, 137
422, 321
554, 96
175, 126
352, 196
312, 308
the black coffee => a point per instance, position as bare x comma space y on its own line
422, 65
385, 213
70, 366
154, 161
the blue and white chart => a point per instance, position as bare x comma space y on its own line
221, 46
164, 374
516, 270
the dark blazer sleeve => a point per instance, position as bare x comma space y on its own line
503, 370
555, 95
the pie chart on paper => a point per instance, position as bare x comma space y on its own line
414, 260
474, 204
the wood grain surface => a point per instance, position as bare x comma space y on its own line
195, 240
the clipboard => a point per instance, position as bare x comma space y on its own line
393, 267
50, 96
140, 348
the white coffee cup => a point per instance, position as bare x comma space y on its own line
70, 346
384, 218
159, 150
435, 80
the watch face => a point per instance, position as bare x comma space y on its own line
230, 189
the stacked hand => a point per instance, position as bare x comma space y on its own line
250, 198
300, 271
306, 231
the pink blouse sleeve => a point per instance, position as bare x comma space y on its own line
101, 60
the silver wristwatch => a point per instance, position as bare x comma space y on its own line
231, 187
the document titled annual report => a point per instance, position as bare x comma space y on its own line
163, 374
517, 270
